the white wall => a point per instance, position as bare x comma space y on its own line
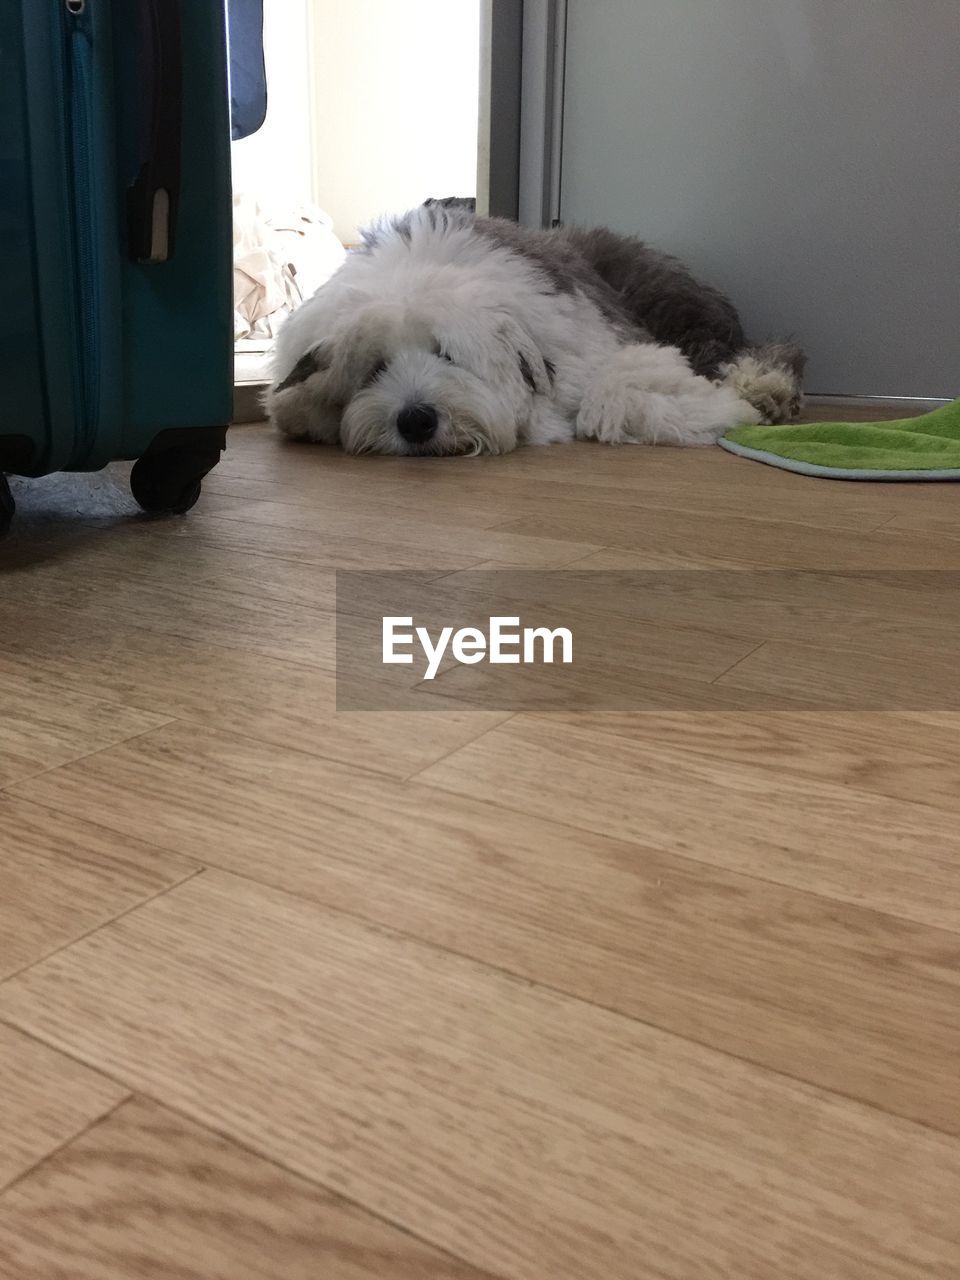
395, 93
275, 164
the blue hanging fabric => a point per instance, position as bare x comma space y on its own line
248, 75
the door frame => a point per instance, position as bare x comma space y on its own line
541, 118
501, 78
522, 60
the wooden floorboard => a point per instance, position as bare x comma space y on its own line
498, 1120
61, 877
902, 857
45, 1101
264, 698
627, 926
480, 993
43, 727
147, 1194
899, 756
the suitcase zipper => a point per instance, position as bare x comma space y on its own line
79, 97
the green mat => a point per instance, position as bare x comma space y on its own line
924, 448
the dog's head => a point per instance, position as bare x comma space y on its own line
404, 357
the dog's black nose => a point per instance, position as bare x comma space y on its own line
418, 423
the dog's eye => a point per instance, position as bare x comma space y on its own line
440, 353
377, 371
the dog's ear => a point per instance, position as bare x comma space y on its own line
536, 371
316, 360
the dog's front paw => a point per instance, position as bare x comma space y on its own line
300, 414
768, 378
602, 416
775, 408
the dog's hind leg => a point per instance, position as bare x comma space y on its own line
647, 394
770, 378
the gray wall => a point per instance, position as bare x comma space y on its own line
802, 154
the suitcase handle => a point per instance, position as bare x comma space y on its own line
153, 199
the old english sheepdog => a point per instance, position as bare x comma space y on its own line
446, 333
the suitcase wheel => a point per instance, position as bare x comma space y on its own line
7, 505
169, 482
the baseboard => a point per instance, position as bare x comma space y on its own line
828, 408
248, 402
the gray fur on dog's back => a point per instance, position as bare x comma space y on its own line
645, 293
648, 295
663, 295
566, 268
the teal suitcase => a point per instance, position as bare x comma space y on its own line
115, 242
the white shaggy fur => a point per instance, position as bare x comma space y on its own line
433, 315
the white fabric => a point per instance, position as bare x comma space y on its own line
280, 257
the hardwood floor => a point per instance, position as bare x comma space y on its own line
478, 994
193, 1205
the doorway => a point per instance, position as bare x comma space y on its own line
372, 108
